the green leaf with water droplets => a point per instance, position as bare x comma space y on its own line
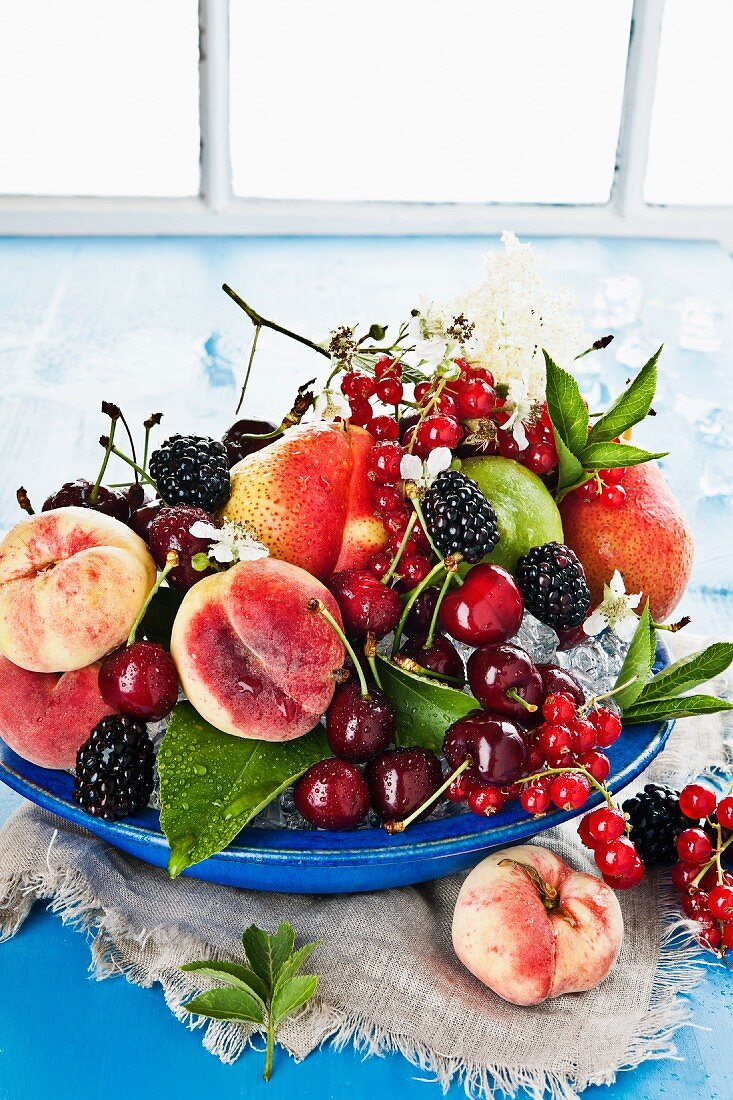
425, 708
212, 784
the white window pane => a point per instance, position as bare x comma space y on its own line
99, 98
690, 148
473, 100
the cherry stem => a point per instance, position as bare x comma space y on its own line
104, 441
411, 599
417, 669
512, 693
400, 549
370, 652
171, 561
252, 350
21, 495
706, 867
153, 420
434, 621
319, 607
261, 322
578, 768
605, 695
131, 440
399, 826
674, 627
108, 449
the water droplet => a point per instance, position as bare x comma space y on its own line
200, 769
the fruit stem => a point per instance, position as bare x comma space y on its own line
269, 1048
411, 599
548, 894
400, 549
107, 442
512, 693
171, 561
434, 621
414, 494
262, 322
706, 867
415, 667
370, 652
674, 627
21, 495
108, 448
399, 826
563, 771
319, 607
426, 409
583, 710
153, 420
250, 361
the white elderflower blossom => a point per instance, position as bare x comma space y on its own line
331, 405
230, 543
616, 612
433, 345
424, 473
517, 315
524, 411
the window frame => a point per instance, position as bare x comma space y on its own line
216, 210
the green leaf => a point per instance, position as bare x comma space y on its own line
412, 374
229, 1004
680, 706
609, 456
570, 470
291, 995
424, 707
296, 960
566, 406
212, 785
157, 622
231, 974
630, 407
638, 663
689, 672
268, 952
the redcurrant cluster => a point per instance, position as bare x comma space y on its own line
705, 889
606, 487
385, 385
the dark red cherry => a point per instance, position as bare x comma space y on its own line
78, 494
487, 608
568, 639
358, 726
441, 656
237, 446
365, 603
142, 517
420, 615
496, 746
497, 673
400, 780
332, 795
140, 680
135, 494
557, 680
171, 530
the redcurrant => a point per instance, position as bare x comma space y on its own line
583, 735
720, 902
384, 462
683, 875
384, 427
606, 823
535, 797
607, 725
725, 812
387, 501
389, 391
696, 905
379, 564
540, 458
473, 397
413, 570
438, 430
459, 789
629, 879
558, 707
387, 368
613, 495
569, 791
616, 857
694, 846
595, 762
485, 801
361, 411
555, 742
697, 801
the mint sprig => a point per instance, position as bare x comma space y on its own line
266, 991
582, 450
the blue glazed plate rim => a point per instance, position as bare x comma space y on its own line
458, 834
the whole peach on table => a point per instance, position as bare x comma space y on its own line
530, 928
46, 716
646, 538
251, 657
72, 581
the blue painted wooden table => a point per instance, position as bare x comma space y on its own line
143, 323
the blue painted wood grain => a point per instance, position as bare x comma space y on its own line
143, 322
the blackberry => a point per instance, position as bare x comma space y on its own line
656, 821
459, 518
553, 585
191, 469
114, 768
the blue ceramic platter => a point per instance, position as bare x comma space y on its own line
316, 862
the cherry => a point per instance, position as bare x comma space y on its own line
725, 812
142, 517
485, 801
496, 746
568, 639
607, 725
487, 608
332, 795
384, 461
413, 569
508, 446
595, 762
535, 796
140, 680
616, 857
400, 780
720, 902
683, 875
606, 823
421, 613
171, 530
365, 603
357, 726
78, 494
505, 681
694, 846
569, 791
384, 427
697, 801
441, 656
556, 680
238, 447
558, 707
474, 398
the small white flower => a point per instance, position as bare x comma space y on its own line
523, 408
424, 473
232, 543
432, 344
331, 405
616, 611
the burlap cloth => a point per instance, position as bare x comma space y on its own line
389, 979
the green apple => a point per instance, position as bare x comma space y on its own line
526, 511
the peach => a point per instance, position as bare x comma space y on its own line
72, 581
364, 533
530, 928
251, 657
45, 717
646, 538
